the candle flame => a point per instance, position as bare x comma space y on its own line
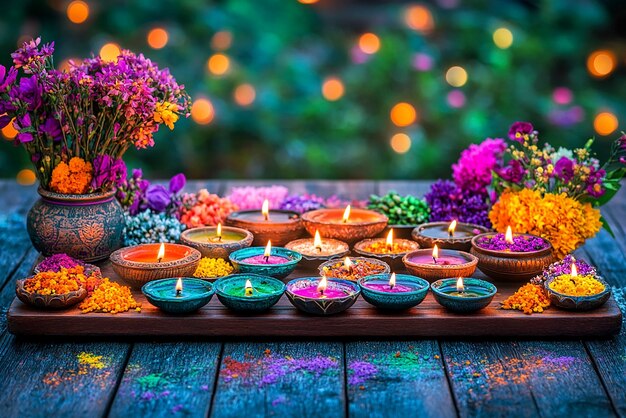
248, 288
346, 214
392, 280
508, 237
268, 249
435, 253
574, 270
460, 287
161, 253
451, 228
317, 241
265, 210
219, 230
347, 263
179, 286
390, 239
321, 287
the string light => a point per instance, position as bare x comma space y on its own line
503, 38
456, 76
601, 63
403, 114
400, 143
244, 95
110, 51
9, 132
158, 38
369, 43
332, 89
419, 18
202, 111
222, 40
218, 64
77, 11
605, 123
26, 177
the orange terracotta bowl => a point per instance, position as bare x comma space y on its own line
63, 301
280, 232
362, 224
138, 265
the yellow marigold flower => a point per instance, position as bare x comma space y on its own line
550, 168
166, 113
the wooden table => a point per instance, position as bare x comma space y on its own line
439, 378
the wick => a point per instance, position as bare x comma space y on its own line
391, 286
178, 293
267, 258
322, 292
159, 259
451, 233
435, 260
219, 238
319, 249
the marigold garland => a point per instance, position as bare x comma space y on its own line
563, 221
72, 178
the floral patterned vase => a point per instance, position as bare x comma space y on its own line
88, 227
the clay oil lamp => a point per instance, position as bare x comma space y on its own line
510, 256
463, 295
433, 264
387, 249
143, 263
576, 292
280, 226
354, 268
453, 235
348, 225
248, 293
216, 241
393, 292
178, 296
322, 296
265, 261
317, 250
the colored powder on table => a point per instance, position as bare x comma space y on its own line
90, 364
91, 360
399, 364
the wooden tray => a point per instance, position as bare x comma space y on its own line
428, 319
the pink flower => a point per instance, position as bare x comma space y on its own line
473, 170
520, 131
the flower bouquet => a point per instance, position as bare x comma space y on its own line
76, 125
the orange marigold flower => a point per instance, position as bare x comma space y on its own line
72, 178
110, 297
528, 299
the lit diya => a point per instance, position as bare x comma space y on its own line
143, 263
348, 225
316, 250
577, 292
433, 264
322, 296
463, 295
389, 249
249, 292
394, 292
353, 268
281, 226
447, 235
216, 241
178, 296
266, 261
512, 256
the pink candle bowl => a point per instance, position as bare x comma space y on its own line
521, 260
280, 263
206, 240
449, 263
437, 233
361, 224
141, 264
337, 295
281, 226
391, 254
407, 292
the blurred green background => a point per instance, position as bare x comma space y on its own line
308, 89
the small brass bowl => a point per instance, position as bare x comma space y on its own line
433, 272
216, 249
51, 302
394, 260
312, 260
451, 243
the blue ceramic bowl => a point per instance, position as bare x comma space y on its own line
463, 304
317, 306
578, 303
280, 271
273, 289
394, 301
162, 294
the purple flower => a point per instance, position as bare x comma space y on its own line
107, 172
448, 202
564, 169
7, 78
29, 91
137, 173
177, 183
302, 203
4, 120
52, 128
520, 131
622, 141
521, 244
21, 123
58, 261
158, 197
473, 170
513, 172
30, 56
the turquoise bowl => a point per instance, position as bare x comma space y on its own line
317, 306
280, 271
463, 304
273, 289
578, 303
162, 294
394, 301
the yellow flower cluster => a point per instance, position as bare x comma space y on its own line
166, 113
528, 299
110, 297
72, 178
576, 286
213, 267
563, 221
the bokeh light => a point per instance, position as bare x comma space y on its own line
503, 38
244, 95
157, 38
332, 89
403, 114
422, 62
456, 76
110, 51
26, 177
9, 132
601, 63
400, 143
562, 95
605, 123
308, 1
202, 111
369, 43
456, 99
77, 11
218, 64
222, 40
419, 18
